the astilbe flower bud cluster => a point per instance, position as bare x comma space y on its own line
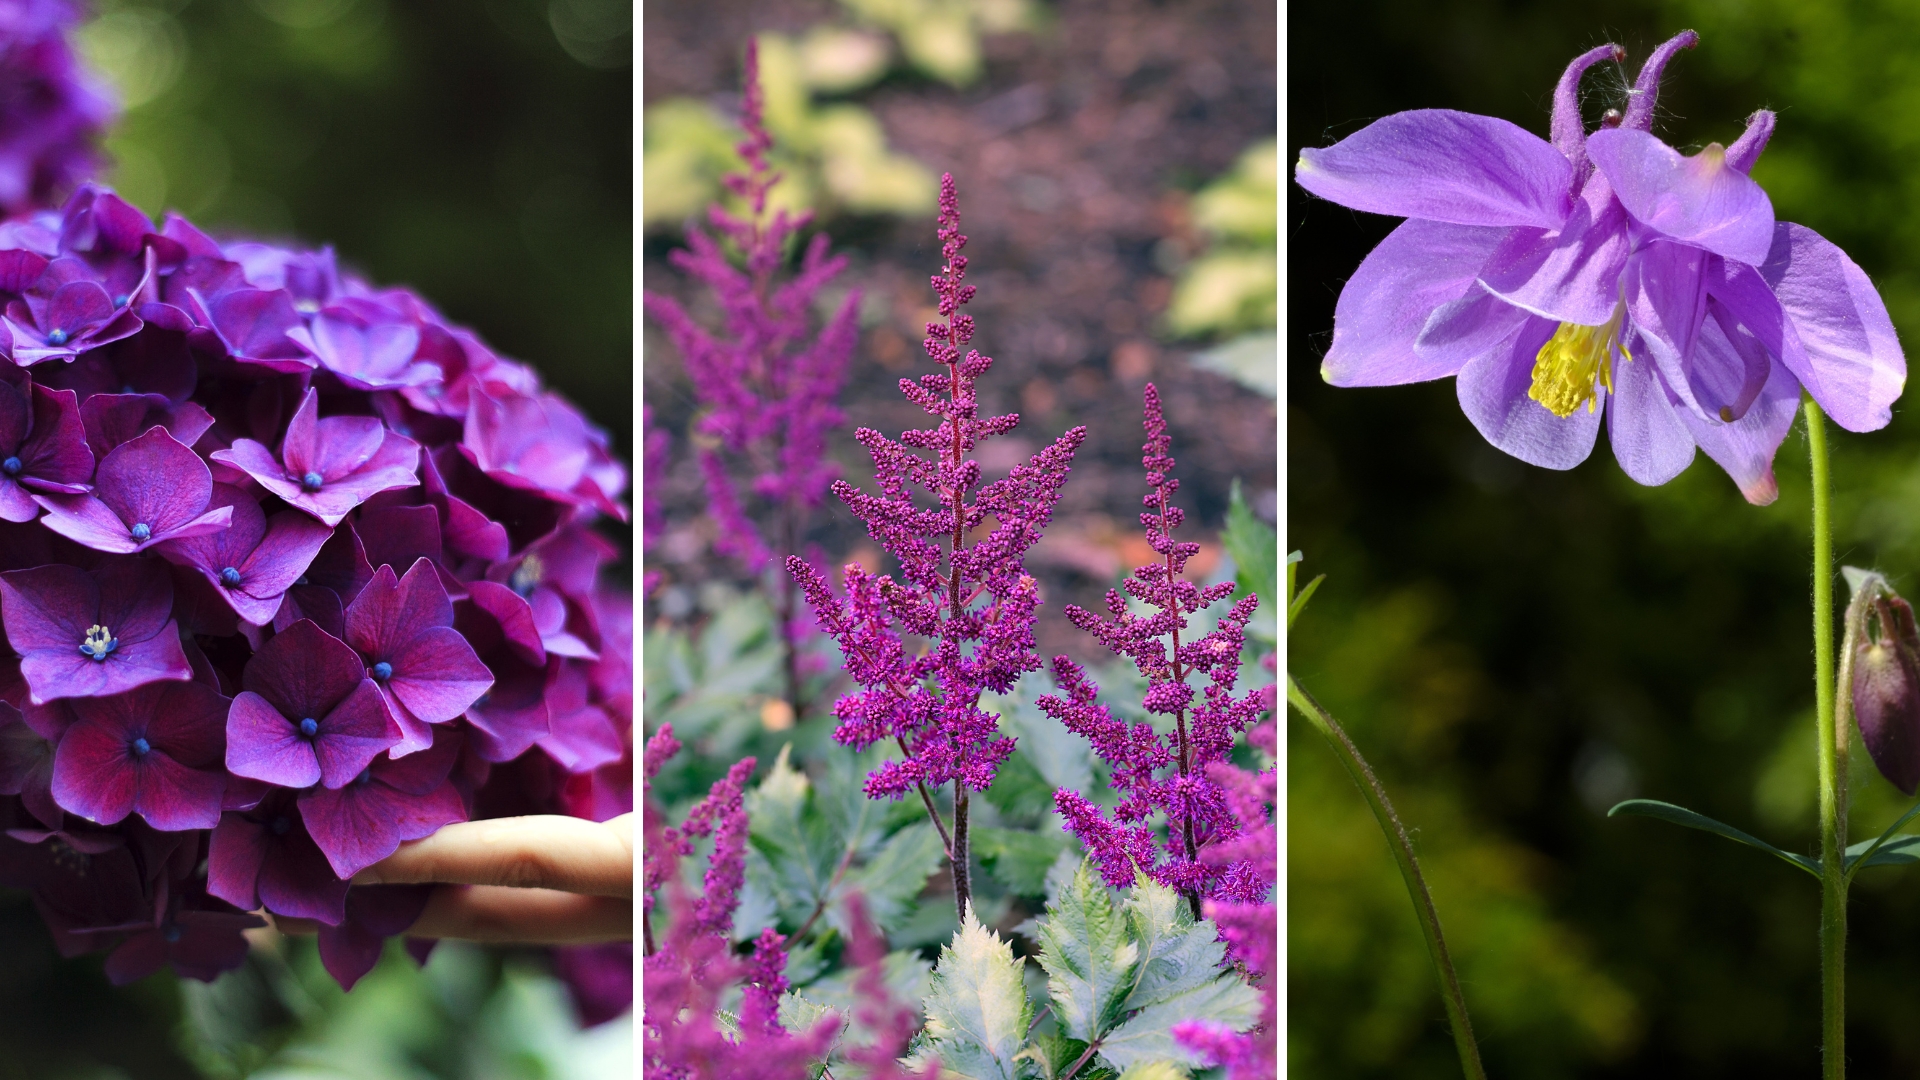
1164, 775
968, 598
766, 393
52, 110
689, 971
292, 570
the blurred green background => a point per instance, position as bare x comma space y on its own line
1518, 649
481, 152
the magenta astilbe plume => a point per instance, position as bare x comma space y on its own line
52, 110
690, 969
1164, 775
972, 606
766, 384
292, 571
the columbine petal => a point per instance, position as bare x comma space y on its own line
1701, 200
1443, 165
1745, 448
1649, 439
1420, 266
1853, 364
1493, 393
1569, 276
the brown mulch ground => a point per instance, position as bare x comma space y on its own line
1074, 156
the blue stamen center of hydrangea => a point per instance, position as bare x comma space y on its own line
365, 777
99, 643
12, 466
279, 826
527, 575
230, 577
301, 580
383, 671
170, 934
309, 727
142, 531
57, 337
311, 481
141, 747
1576, 363
121, 300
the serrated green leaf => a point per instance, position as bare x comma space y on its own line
897, 873
1054, 1054
1255, 550
1089, 960
1019, 790
1020, 858
799, 1014
1147, 1035
1177, 954
793, 848
977, 1009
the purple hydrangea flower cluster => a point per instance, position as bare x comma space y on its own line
976, 615
292, 571
52, 110
766, 392
1602, 274
1163, 774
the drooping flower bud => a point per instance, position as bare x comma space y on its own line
1886, 689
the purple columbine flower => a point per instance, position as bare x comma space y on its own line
82, 634
43, 448
263, 857
254, 561
308, 713
328, 467
147, 491
427, 673
388, 803
1601, 270
154, 751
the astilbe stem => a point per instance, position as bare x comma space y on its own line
972, 604
766, 392
1193, 805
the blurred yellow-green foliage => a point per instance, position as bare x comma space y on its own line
1230, 288
1517, 649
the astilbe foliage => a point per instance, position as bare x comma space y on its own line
689, 970
1163, 775
971, 604
766, 393
52, 110
292, 570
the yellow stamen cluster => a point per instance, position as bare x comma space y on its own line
1575, 363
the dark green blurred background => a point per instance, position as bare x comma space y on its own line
1517, 649
477, 150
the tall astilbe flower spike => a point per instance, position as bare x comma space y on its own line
976, 614
1192, 804
766, 393
1601, 276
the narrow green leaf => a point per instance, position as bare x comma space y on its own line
1089, 961
1870, 849
977, 1011
1300, 602
1680, 815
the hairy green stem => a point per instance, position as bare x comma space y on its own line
1376, 796
1833, 780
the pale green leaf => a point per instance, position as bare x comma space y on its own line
897, 873
1177, 954
977, 1009
1154, 1070
1147, 1035
799, 1015
1089, 961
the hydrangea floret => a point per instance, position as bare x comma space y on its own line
972, 604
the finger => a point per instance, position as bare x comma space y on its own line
501, 915
545, 851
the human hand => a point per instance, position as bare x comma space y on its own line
543, 879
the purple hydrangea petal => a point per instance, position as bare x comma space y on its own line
1701, 200
1853, 364
362, 823
253, 323
265, 745
374, 913
56, 458
353, 734
437, 675
514, 616
1443, 165
1419, 267
283, 555
156, 481
391, 611
77, 307
1493, 393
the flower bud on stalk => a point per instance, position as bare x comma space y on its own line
1885, 682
